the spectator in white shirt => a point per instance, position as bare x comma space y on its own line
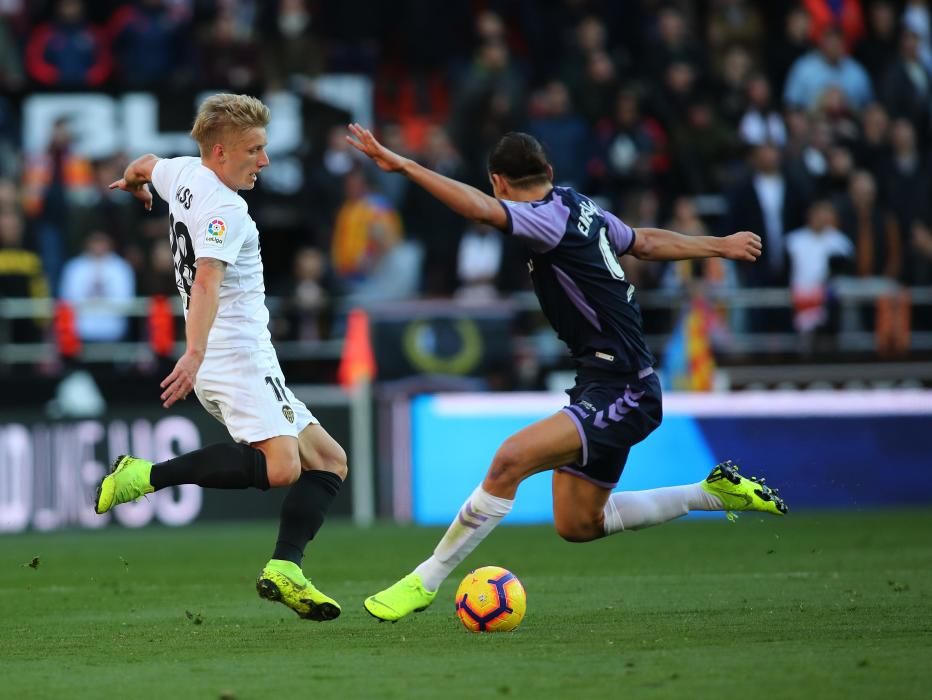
813, 250
99, 275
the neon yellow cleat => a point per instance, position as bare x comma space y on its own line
739, 493
128, 480
402, 598
283, 582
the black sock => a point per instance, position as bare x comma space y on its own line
222, 466
303, 512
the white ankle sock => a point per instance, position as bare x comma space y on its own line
479, 515
633, 510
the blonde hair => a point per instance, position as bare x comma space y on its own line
224, 112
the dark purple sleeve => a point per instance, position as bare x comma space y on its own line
541, 227
620, 234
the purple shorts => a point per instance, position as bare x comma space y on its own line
611, 413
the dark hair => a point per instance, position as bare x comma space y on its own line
821, 201
520, 159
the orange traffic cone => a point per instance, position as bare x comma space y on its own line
357, 363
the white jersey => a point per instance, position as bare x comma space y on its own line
209, 220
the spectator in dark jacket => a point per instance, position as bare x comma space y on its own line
673, 44
782, 51
147, 43
906, 89
68, 51
905, 186
562, 132
878, 48
630, 149
874, 145
228, 57
11, 64
768, 201
703, 147
293, 53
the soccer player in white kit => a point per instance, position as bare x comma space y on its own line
229, 361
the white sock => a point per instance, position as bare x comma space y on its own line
633, 510
479, 515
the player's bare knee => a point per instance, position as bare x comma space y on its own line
576, 534
506, 467
579, 530
565, 530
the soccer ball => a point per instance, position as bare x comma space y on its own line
490, 599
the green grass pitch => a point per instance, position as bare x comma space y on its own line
815, 605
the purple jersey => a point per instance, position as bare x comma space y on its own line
574, 247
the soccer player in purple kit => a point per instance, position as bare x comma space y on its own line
573, 247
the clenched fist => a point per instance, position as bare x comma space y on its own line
743, 245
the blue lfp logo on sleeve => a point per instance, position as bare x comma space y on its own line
216, 228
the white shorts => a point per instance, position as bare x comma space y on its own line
244, 389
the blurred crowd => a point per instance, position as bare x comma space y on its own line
807, 122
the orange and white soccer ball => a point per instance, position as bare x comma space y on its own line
490, 599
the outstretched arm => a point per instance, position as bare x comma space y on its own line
136, 178
465, 200
659, 244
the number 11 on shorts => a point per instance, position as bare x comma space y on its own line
277, 387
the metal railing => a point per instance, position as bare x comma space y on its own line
851, 339
126, 351
852, 336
